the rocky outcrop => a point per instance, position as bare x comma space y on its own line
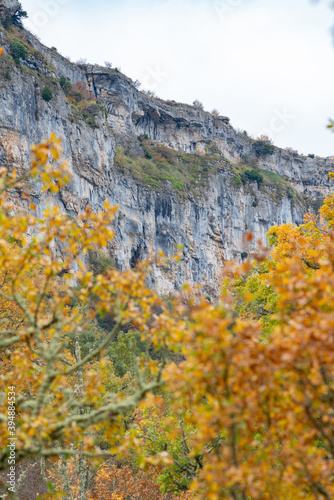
8, 7
185, 128
210, 227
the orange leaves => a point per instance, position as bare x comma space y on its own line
252, 418
48, 300
263, 409
327, 211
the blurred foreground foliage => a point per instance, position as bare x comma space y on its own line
180, 397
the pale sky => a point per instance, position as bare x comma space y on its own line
266, 64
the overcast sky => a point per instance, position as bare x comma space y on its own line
267, 64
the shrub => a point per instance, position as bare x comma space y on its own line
149, 93
291, 151
65, 84
215, 112
17, 17
19, 51
244, 255
99, 263
254, 176
7, 22
77, 92
143, 137
254, 204
197, 104
108, 64
8, 75
47, 94
263, 147
81, 89
90, 111
311, 156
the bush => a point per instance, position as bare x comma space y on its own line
65, 84
197, 104
19, 51
244, 255
143, 137
77, 92
7, 22
15, 19
263, 147
149, 93
47, 94
254, 176
291, 151
311, 156
90, 110
99, 263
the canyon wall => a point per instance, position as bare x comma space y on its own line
210, 227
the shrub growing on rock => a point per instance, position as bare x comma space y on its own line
47, 94
18, 51
263, 147
17, 17
15, 20
254, 176
197, 104
65, 84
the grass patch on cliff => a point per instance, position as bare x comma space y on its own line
273, 184
162, 167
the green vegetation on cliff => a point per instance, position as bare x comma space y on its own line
161, 167
271, 183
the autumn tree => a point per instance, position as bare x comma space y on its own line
48, 296
268, 399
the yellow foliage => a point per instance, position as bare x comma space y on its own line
264, 411
59, 396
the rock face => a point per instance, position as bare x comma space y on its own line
209, 227
9, 7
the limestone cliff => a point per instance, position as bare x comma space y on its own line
187, 180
